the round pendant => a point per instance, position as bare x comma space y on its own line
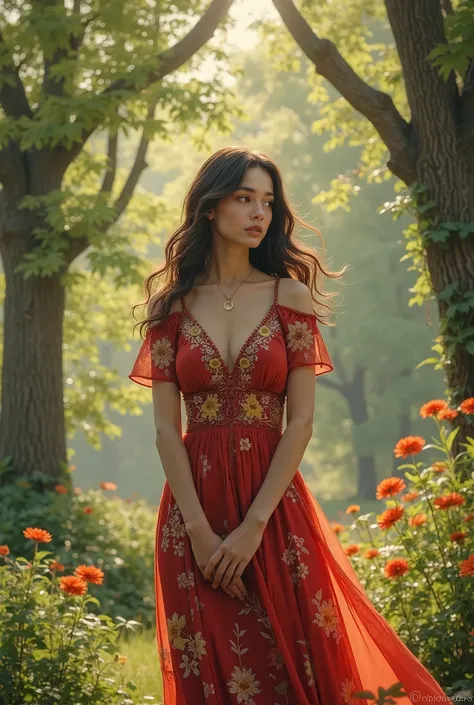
228, 305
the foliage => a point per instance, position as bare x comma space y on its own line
88, 527
52, 647
417, 561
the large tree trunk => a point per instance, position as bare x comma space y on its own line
32, 429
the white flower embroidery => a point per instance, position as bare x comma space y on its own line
186, 580
206, 465
245, 444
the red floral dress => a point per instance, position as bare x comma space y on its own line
307, 634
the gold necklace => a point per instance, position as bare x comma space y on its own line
228, 303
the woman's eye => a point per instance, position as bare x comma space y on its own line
270, 203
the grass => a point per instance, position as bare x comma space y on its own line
142, 666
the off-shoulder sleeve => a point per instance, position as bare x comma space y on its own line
156, 359
304, 342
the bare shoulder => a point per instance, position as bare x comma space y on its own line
295, 294
175, 306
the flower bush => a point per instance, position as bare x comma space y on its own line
53, 649
416, 557
94, 527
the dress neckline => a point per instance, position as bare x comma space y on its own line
249, 339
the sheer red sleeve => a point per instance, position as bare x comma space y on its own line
304, 342
156, 359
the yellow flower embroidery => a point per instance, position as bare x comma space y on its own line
195, 331
214, 363
197, 646
245, 444
264, 331
162, 352
210, 408
326, 617
243, 683
308, 669
244, 363
175, 625
298, 336
252, 407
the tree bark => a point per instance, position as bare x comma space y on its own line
32, 429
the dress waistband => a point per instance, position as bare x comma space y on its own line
222, 407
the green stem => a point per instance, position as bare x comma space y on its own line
416, 556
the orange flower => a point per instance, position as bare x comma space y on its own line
417, 520
453, 499
108, 485
439, 467
433, 407
352, 549
60, 489
466, 568
39, 535
71, 468
56, 566
467, 406
389, 487
448, 414
390, 516
73, 585
396, 568
409, 445
88, 510
90, 574
353, 509
4, 550
372, 553
338, 528
468, 518
410, 496
458, 536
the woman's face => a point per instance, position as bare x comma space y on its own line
249, 206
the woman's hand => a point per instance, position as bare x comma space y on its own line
233, 555
204, 543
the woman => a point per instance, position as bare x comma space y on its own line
256, 601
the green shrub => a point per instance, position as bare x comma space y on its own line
416, 561
53, 649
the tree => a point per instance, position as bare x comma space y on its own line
68, 70
426, 142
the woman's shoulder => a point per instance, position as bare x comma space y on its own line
294, 294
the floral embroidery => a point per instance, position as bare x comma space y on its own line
291, 555
275, 658
197, 338
214, 363
264, 331
186, 580
326, 617
244, 363
162, 353
199, 606
298, 336
347, 688
242, 681
245, 444
195, 644
260, 339
206, 465
174, 527
251, 407
194, 331
309, 667
209, 689
292, 493
210, 408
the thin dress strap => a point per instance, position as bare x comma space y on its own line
183, 305
275, 291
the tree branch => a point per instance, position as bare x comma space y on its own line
447, 7
375, 105
12, 92
111, 170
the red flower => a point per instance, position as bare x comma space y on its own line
389, 487
410, 496
433, 407
90, 574
467, 406
39, 535
352, 549
458, 536
338, 528
454, 499
417, 520
372, 553
466, 568
439, 467
58, 567
396, 568
108, 485
468, 518
448, 414
409, 445
353, 509
390, 517
60, 489
4, 550
73, 585
88, 510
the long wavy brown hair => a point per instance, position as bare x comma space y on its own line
188, 250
